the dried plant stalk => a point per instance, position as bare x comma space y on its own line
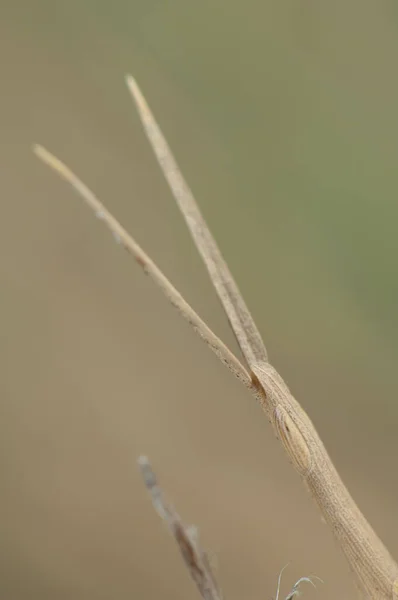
375, 571
187, 540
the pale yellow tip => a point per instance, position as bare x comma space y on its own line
38, 150
137, 95
131, 84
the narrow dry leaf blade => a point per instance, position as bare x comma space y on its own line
242, 323
124, 238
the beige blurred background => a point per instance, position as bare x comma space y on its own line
283, 116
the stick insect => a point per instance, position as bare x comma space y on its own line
374, 569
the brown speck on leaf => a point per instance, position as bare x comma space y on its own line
141, 262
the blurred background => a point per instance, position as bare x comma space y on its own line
283, 116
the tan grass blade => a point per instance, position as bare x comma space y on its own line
376, 572
124, 238
246, 332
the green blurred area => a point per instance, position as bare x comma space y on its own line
283, 117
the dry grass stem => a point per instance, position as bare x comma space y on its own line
375, 571
187, 538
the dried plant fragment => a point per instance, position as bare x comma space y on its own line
194, 557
